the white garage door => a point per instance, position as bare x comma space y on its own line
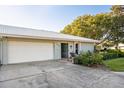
20, 51
87, 47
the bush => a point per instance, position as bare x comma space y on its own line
96, 58
107, 55
111, 54
82, 59
88, 59
121, 54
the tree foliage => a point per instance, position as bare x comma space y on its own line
103, 26
116, 33
84, 26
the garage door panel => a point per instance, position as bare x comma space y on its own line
20, 51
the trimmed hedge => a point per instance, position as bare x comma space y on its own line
111, 54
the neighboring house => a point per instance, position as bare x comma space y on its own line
19, 45
120, 46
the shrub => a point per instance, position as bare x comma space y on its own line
96, 58
107, 55
111, 54
88, 59
83, 58
120, 54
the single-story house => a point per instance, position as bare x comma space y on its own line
120, 46
18, 44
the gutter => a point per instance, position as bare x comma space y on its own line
48, 38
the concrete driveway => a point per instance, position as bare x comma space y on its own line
53, 74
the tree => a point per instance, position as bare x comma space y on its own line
85, 26
104, 26
117, 9
116, 33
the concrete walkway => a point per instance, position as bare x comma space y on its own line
53, 74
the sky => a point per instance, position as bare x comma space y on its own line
46, 17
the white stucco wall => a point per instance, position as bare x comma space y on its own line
27, 50
57, 50
86, 47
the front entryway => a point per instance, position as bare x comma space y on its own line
64, 50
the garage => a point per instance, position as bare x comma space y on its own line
20, 45
29, 50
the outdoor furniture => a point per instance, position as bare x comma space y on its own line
72, 56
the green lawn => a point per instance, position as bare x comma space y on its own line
115, 64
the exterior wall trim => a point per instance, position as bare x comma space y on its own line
4, 50
0, 50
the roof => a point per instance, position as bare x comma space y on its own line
120, 46
12, 31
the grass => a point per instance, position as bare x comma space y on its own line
115, 64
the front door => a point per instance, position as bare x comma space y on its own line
64, 50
